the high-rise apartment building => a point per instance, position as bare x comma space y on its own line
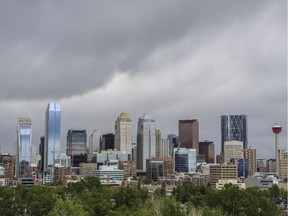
52, 134
23, 146
146, 141
123, 133
234, 128
189, 134
94, 142
76, 146
185, 160
207, 148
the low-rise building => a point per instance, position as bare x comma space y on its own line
222, 172
222, 182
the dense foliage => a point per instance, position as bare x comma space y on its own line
89, 197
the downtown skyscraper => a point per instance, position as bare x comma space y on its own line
123, 133
189, 134
234, 128
146, 141
23, 146
52, 134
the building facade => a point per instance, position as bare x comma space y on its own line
222, 172
189, 134
185, 160
52, 134
108, 141
123, 133
232, 149
234, 127
76, 146
146, 141
207, 148
23, 146
94, 142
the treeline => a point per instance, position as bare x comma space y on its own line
89, 197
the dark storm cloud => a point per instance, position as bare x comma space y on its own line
52, 49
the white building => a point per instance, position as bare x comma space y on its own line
94, 142
222, 182
232, 149
123, 133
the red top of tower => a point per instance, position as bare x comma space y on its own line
276, 129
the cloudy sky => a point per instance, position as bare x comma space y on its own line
171, 59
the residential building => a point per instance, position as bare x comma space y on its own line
146, 141
9, 166
234, 127
52, 134
129, 167
123, 133
185, 160
189, 134
76, 146
23, 146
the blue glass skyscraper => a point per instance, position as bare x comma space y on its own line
23, 146
52, 134
234, 127
185, 160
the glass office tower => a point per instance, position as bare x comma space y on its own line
23, 146
146, 141
234, 127
185, 160
52, 134
77, 146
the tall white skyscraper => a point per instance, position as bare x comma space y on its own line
23, 146
123, 133
52, 134
146, 141
94, 141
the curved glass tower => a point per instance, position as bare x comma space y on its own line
52, 134
234, 127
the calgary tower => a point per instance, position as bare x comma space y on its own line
276, 130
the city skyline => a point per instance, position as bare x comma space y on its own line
172, 60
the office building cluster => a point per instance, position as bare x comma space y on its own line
115, 158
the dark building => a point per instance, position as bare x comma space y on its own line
77, 146
234, 127
108, 141
207, 148
189, 134
173, 141
41, 152
154, 169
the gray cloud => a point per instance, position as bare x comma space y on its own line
194, 59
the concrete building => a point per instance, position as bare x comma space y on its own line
271, 166
111, 172
168, 165
9, 166
189, 134
207, 148
123, 133
87, 169
283, 169
94, 142
250, 154
129, 167
232, 149
222, 172
63, 160
222, 182
146, 141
